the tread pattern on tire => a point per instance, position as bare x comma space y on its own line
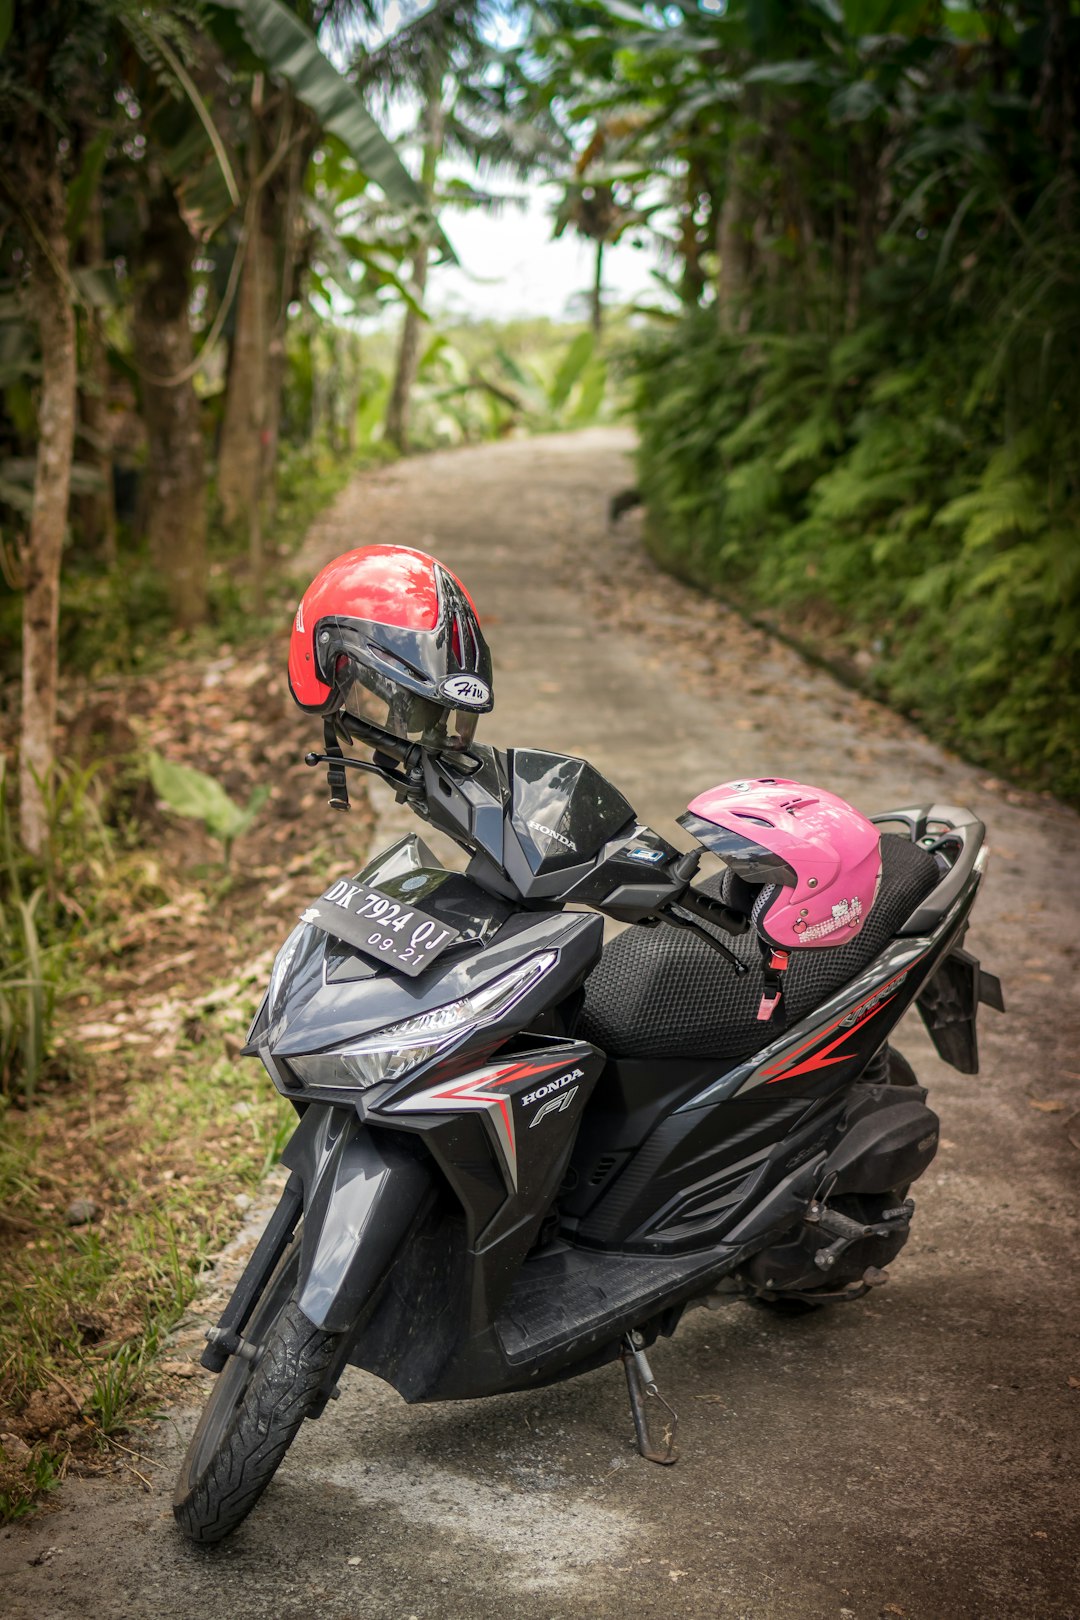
295, 1361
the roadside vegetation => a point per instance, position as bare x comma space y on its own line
862, 420
134, 951
202, 227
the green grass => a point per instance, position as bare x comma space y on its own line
24, 1483
163, 1146
86, 1311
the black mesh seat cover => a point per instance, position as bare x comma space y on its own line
659, 992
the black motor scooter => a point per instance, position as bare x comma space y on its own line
521, 1154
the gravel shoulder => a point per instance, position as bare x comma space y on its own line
912, 1455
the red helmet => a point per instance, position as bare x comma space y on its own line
397, 623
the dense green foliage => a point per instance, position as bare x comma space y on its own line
865, 418
855, 490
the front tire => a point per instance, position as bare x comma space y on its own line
254, 1411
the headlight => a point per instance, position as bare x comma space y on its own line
393, 1051
282, 963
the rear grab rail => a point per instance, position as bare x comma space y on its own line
956, 837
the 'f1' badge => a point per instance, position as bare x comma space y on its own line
554, 1105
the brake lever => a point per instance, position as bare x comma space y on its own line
671, 914
702, 907
385, 773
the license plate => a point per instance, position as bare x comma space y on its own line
399, 935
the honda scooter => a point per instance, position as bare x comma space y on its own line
521, 1153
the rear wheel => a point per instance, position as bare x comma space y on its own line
899, 1071
890, 1068
254, 1411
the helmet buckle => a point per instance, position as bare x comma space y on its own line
773, 966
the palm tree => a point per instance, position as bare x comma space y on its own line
445, 60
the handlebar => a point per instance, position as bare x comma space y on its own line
386, 749
378, 738
700, 904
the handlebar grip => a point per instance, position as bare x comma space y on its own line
706, 909
377, 737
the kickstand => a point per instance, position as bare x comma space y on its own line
641, 1384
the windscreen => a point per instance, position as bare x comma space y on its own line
562, 810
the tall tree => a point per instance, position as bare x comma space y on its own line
277, 152
44, 94
408, 354
97, 507
444, 62
297, 96
35, 183
175, 474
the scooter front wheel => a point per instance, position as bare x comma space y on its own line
254, 1411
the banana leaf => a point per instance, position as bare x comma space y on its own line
202, 194
573, 364
290, 51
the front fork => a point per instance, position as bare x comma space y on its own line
359, 1193
227, 1338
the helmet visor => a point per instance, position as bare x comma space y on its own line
370, 696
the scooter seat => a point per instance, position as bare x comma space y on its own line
661, 992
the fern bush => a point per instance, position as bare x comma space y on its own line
919, 481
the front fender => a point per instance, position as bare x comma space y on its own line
363, 1191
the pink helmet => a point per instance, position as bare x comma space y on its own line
818, 858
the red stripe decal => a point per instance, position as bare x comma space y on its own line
779, 1069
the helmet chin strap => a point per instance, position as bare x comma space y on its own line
773, 966
336, 779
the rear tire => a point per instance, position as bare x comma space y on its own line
898, 1072
254, 1412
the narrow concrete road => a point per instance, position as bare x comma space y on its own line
912, 1455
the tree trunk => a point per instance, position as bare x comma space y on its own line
278, 154
175, 473
596, 304
732, 284
353, 384
408, 357
692, 281
241, 451
278, 308
734, 244
1058, 102
49, 304
97, 511
864, 184
397, 410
